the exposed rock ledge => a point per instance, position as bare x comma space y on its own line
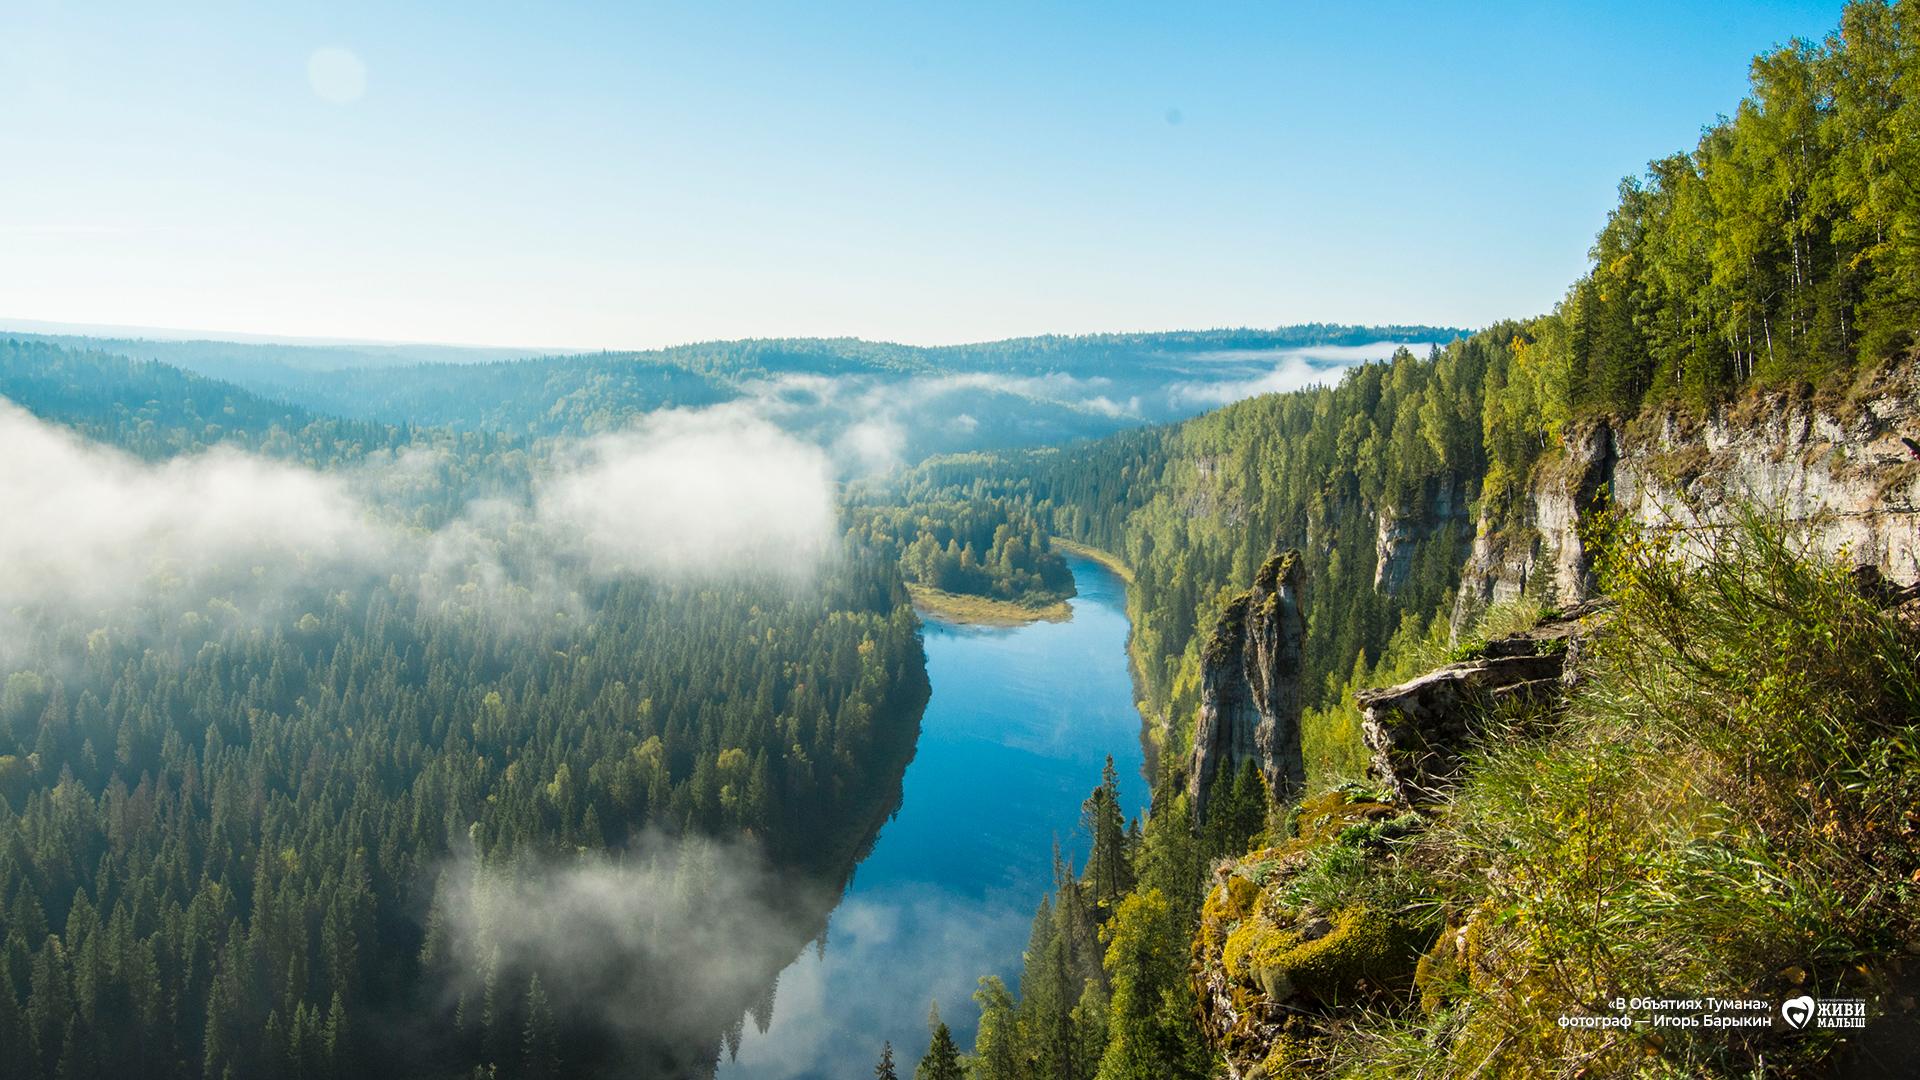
1418, 730
1848, 471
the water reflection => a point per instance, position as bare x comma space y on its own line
1019, 723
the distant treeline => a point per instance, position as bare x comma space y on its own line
994, 548
533, 396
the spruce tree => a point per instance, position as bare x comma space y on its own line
1109, 871
942, 1061
540, 1054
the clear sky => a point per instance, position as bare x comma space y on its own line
627, 175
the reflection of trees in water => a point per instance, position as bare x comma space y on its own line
648, 962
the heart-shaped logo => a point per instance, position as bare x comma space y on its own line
1798, 1012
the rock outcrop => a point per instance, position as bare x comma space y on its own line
1399, 532
1418, 730
1250, 687
1269, 971
1545, 556
1847, 471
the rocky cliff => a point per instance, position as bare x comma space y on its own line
1846, 467
1344, 920
1399, 531
1250, 687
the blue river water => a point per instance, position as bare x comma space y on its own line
1020, 721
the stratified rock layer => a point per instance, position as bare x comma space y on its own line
1847, 471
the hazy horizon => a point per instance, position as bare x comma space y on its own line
181, 334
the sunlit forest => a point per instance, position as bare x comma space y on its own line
229, 815
409, 710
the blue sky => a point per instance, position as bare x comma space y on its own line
632, 175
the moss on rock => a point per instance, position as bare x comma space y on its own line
1356, 953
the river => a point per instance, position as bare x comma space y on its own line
1014, 736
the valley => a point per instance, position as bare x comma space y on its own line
1322, 701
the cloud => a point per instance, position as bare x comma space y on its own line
1291, 374
709, 492
871, 446
872, 423
1056, 388
1106, 406
92, 525
682, 494
1340, 355
1290, 369
667, 943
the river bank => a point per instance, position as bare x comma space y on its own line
1020, 722
983, 611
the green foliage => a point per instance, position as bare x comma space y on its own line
1236, 810
1150, 1031
1103, 989
1171, 857
1727, 806
1783, 249
997, 1041
989, 547
1108, 874
942, 1060
217, 835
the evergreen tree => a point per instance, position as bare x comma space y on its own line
996, 1043
539, 1045
1150, 1030
1109, 870
942, 1060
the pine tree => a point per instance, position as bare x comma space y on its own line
539, 1055
942, 1061
884, 1070
1109, 870
338, 1052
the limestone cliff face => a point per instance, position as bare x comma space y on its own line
1250, 686
1546, 555
1399, 531
1848, 471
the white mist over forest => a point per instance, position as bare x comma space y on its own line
679, 495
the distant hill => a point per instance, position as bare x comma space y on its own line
877, 403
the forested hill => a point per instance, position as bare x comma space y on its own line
879, 403
156, 410
1779, 255
317, 736
1725, 806
1194, 508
